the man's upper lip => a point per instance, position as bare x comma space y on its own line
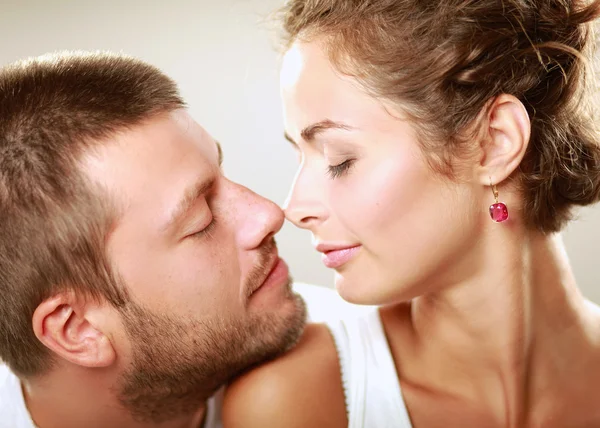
325, 247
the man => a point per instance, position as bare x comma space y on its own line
136, 279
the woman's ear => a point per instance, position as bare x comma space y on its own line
506, 139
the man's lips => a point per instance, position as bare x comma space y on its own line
276, 271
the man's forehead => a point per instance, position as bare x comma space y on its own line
154, 164
190, 125
156, 143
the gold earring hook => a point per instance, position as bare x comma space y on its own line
494, 190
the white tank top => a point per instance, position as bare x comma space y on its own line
371, 386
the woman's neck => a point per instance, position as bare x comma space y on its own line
507, 330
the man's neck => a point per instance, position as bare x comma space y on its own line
72, 398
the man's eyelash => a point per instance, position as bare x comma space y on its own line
207, 231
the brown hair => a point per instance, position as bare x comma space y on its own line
443, 61
54, 222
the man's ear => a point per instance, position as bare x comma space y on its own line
66, 325
506, 139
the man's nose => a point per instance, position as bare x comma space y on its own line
258, 217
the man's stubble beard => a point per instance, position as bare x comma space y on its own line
177, 365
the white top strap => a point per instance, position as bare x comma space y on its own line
371, 386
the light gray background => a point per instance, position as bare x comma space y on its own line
223, 58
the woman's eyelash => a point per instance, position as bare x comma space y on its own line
207, 231
336, 171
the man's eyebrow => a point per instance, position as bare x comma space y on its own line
190, 196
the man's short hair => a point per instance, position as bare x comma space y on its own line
54, 222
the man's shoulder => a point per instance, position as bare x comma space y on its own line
8, 387
303, 386
214, 409
5, 373
12, 406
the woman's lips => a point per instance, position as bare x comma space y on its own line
334, 259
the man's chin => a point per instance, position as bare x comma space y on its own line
288, 323
283, 331
178, 363
297, 323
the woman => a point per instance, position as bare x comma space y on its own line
443, 147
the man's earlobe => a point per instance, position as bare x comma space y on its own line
62, 323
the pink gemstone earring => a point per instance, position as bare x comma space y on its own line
498, 211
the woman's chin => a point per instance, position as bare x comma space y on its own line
357, 291
368, 290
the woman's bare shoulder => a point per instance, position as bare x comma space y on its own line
302, 387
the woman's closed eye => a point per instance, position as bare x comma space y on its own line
341, 169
